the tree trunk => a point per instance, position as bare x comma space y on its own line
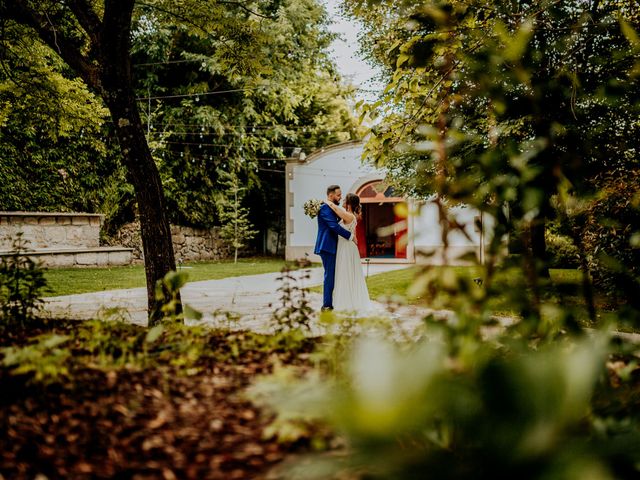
142, 172
539, 247
105, 66
119, 96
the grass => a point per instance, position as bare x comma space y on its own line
397, 282
564, 289
68, 281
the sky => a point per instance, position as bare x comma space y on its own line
345, 53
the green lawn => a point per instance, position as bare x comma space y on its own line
67, 281
564, 288
397, 282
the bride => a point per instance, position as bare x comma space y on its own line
350, 292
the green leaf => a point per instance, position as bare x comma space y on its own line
54, 341
402, 58
629, 33
191, 313
517, 45
154, 334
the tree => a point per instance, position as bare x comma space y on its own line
54, 155
236, 229
96, 45
289, 95
94, 40
275, 91
520, 104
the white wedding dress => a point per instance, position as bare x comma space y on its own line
350, 293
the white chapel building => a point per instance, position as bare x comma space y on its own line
386, 234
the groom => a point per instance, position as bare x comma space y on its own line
327, 243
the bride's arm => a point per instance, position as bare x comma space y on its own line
343, 214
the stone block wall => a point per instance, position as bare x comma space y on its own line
189, 244
51, 230
192, 244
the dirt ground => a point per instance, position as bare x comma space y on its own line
156, 422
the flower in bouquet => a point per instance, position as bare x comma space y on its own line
312, 207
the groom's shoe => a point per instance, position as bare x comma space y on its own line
325, 309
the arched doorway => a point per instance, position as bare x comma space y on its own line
385, 224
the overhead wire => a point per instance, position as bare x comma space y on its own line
185, 95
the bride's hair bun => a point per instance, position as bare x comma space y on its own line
353, 201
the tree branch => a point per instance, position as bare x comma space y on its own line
87, 18
184, 19
245, 8
54, 39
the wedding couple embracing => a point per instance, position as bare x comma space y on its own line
344, 285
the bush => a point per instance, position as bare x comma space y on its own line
610, 223
22, 284
404, 411
561, 251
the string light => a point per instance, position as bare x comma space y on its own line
197, 95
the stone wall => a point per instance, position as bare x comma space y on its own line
189, 244
192, 244
60, 239
50, 230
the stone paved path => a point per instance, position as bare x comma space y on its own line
249, 297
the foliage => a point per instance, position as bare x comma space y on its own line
496, 108
60, 153
610, 226
516, 109
236, 229
114, 344
561, 250
44, 361
294, 312
168, 296
52, 141
22, 284
512, 413
281, 93
294, 418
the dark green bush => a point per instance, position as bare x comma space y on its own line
561, 251
610, 223
22, 283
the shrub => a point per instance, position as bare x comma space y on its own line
610, 223
44, 361
294, 312
22, 283
511, 412
561, 251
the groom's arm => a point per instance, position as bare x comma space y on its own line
330, 219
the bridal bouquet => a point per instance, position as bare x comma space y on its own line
312, 207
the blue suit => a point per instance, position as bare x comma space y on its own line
326, 246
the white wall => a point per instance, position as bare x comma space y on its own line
341, 165
427, 231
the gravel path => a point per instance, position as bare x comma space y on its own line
249, 298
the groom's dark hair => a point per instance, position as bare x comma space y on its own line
332, 188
